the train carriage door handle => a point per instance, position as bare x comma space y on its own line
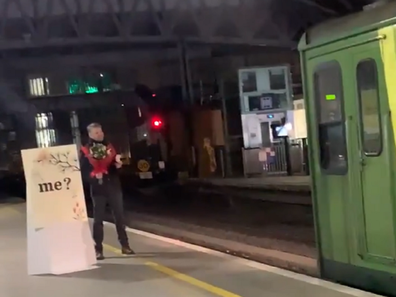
362, 159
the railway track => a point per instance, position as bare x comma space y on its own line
256, 221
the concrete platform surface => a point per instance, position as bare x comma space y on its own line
161, 268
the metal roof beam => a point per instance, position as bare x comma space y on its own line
242, 41
62, 23
92, 59
312, 3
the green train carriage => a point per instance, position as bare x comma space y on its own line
349, 71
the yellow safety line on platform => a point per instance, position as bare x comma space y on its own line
180, 276
190, 280
113, 249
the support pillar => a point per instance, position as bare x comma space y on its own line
228, 166
185, 74
188, 103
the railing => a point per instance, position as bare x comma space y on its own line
279, 159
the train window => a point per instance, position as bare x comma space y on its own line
367, 84
328, 92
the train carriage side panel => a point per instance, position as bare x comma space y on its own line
349, 88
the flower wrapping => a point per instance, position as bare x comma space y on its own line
100, 157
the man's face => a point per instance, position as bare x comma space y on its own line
96, 134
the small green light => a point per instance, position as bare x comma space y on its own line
91, 89
331, 97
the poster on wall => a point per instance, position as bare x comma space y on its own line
58, 234
266, 102
251, 131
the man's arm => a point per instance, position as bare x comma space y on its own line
86, 168
118, 162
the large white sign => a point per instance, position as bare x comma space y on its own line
58, 233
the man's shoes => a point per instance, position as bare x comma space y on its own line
126, 250
99, 256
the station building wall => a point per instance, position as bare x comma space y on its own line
126, 70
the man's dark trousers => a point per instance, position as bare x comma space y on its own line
109, 192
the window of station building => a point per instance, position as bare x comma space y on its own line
367, 84
38, 86
45, 132
249, 81
328, 92
106, 82
92, 83
277, 78
81, 86
75, 86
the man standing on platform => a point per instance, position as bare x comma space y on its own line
99, 163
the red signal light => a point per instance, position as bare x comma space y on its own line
157, 123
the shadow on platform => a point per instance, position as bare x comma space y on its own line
128, 272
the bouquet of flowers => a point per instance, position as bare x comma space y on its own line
100, 156
98, 151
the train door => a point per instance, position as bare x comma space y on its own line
370, 119
329, 151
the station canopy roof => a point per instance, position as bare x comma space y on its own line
299, 15
33, 27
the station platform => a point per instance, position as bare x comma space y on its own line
257, 188
162, 267
281, 183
